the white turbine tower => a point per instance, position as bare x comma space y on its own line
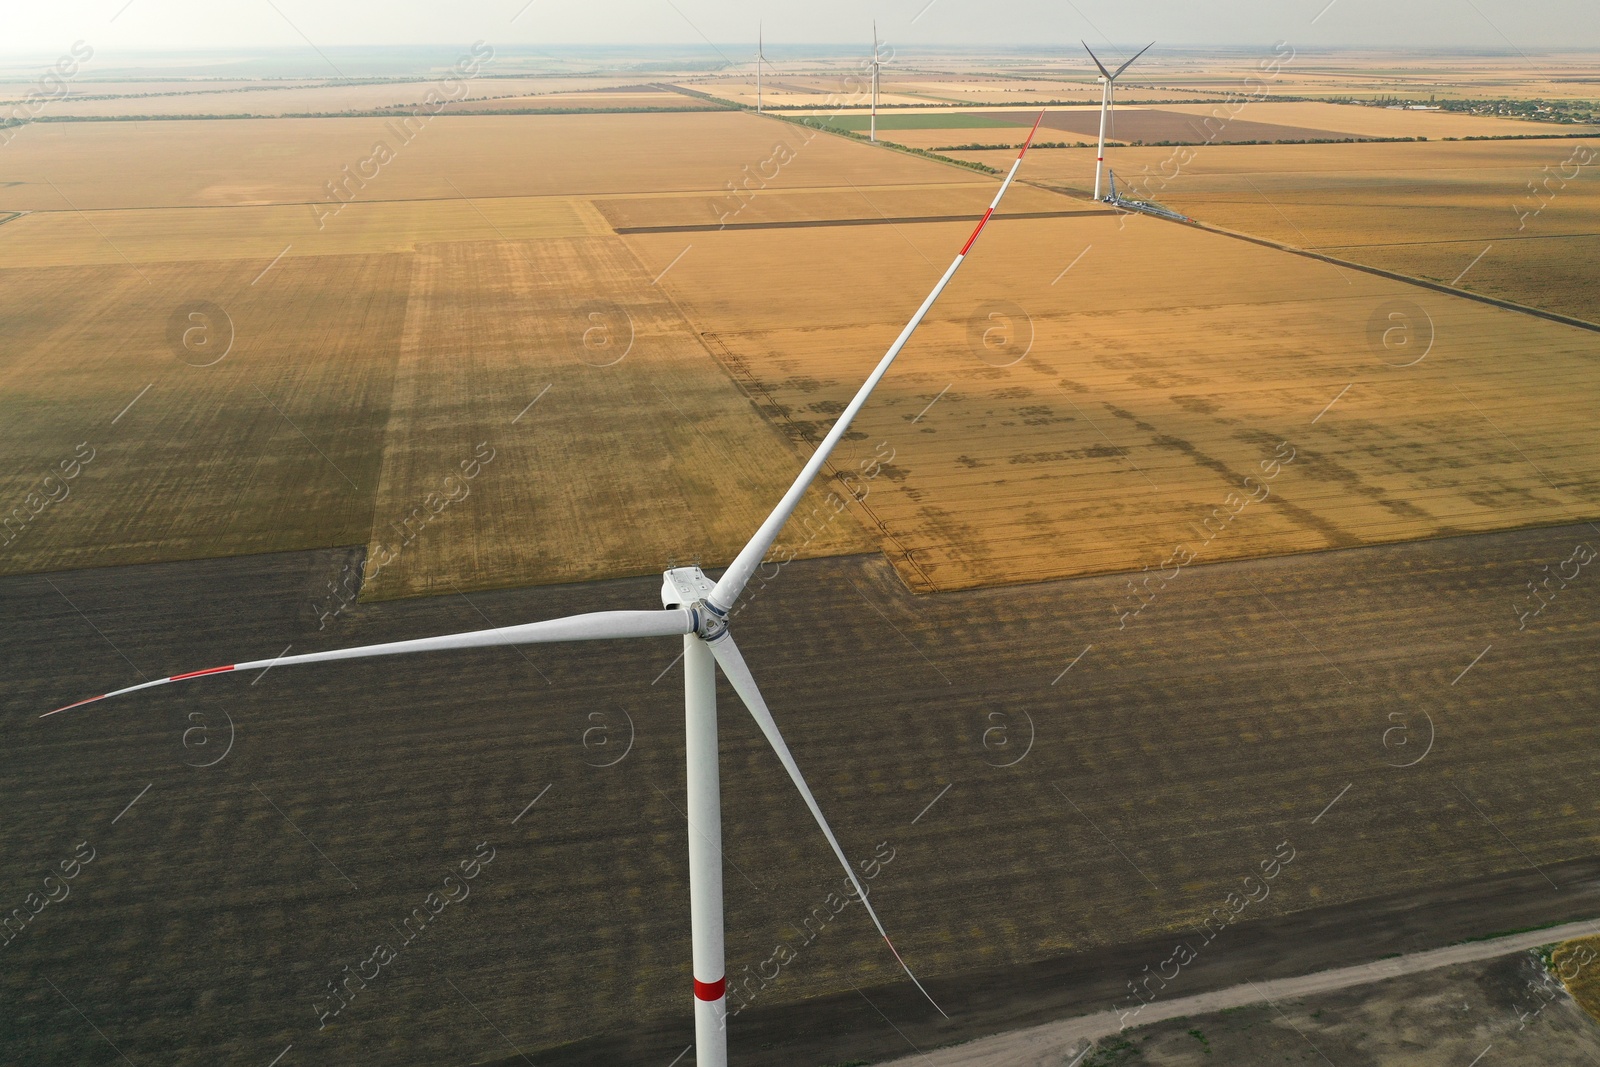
1107, 79
696, 609
873, 128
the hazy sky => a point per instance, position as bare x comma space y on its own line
120, 25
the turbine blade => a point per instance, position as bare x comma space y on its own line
1096, 59
734, 579
1129, 63
595, 626
738, 673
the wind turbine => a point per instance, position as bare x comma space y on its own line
873, 134
1107, 79
696, 609
760, 59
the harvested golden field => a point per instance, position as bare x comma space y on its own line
615, 443
225, 162
303, 426
480, 303
1426, 210
1165, 368
1155, 383
274, 445
156, 235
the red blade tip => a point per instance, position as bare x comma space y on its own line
1031, 132
69, 707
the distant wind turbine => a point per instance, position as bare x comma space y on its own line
873, 134
760, 59
696, 609
1107, 80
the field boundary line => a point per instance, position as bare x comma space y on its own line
624, 231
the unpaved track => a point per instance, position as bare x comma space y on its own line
1055, 1043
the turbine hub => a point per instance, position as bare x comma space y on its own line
710, 624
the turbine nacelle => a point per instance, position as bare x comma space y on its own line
683, 587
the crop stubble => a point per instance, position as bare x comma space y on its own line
1165, 367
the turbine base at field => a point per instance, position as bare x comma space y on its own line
1148, 207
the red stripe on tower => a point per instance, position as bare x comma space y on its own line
710, 991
